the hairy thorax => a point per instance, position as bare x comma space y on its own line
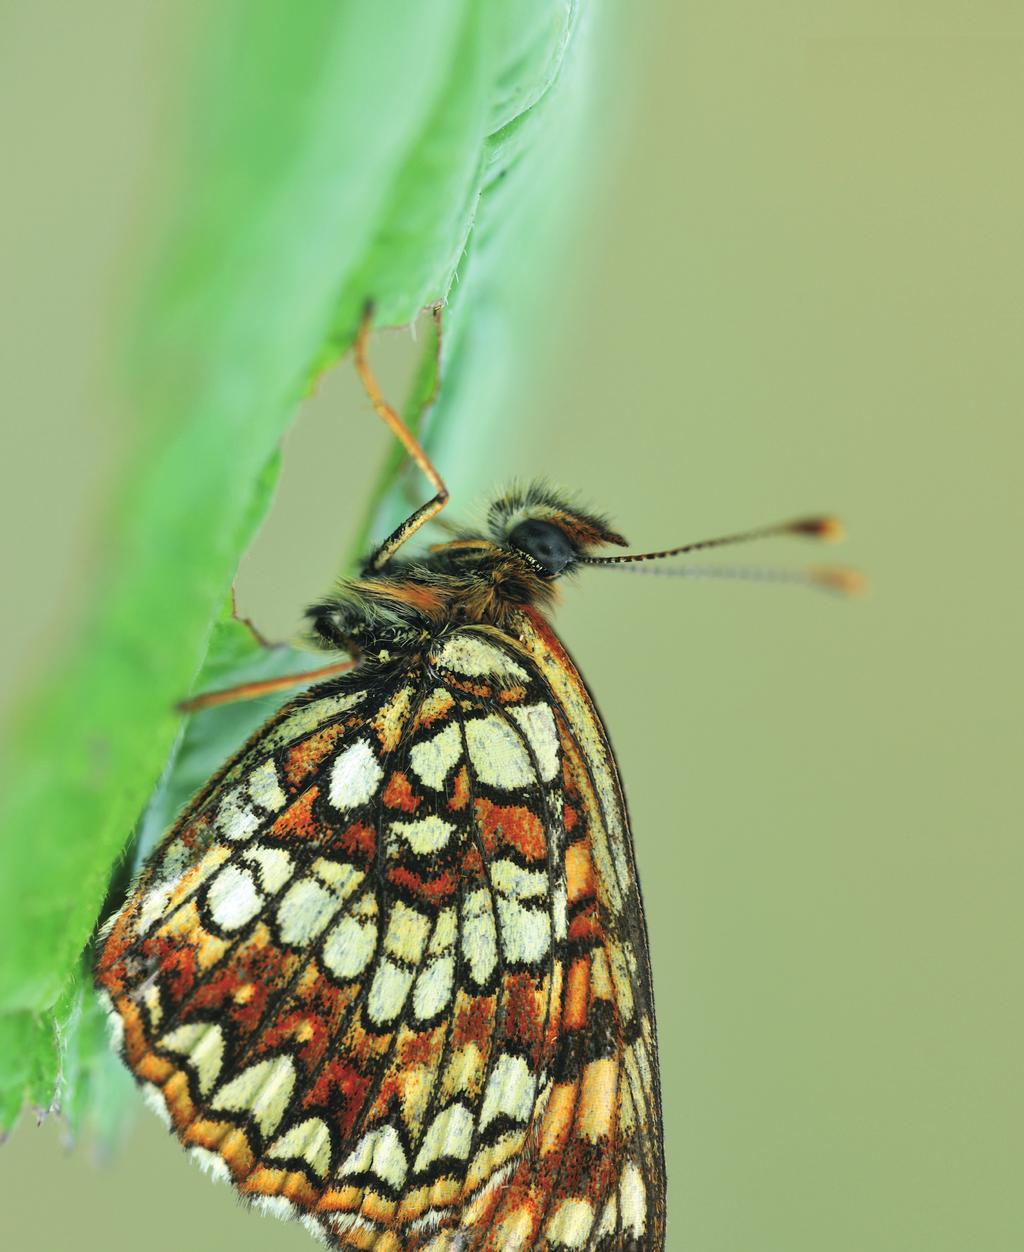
410, 603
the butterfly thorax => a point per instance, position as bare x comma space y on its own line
406, 606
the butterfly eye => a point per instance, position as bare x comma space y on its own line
545, 543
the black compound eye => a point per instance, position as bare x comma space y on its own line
549, 546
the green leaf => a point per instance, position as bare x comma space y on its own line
93, 1091
28, 1044
339, 155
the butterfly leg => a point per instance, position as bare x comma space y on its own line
408, 440
257, 636
265, 686
451, 528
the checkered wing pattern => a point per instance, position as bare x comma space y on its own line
388, 973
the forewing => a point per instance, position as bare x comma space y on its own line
603, 1122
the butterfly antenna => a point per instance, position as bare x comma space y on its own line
828, 578
829, 529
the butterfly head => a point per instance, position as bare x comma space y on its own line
548, 533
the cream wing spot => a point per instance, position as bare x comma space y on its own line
275, 866
424, 836
407, 933
235, 819
525, 933
233, 898
433, 990
154, 905
538, 725
340, 876
351, 943
388, 991
305, 911
445, 930
309, 1141
571, 1223
201, 1044
560, 911
265, 787
633, 1200
467, 653
379, 1152
498, 755
521, 884
479, 936
510, 1091
263, 1091
433, 759
355, 776
450, 1135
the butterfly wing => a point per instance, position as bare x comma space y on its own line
602, 1126
388, 972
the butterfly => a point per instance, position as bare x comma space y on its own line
388, 972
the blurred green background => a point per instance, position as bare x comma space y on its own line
796, 285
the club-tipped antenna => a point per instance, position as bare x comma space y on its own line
829, 529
